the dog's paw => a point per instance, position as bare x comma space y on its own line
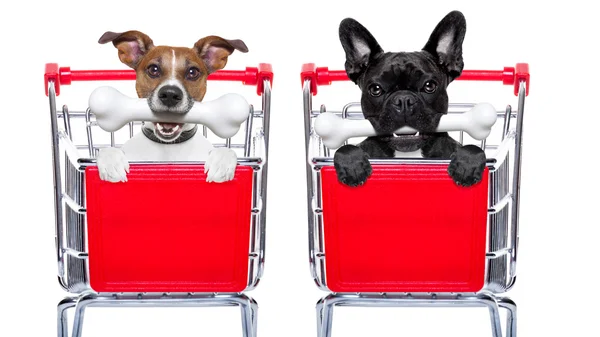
112, 165
220, 165
467, 165
352, 165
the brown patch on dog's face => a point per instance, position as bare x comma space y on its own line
164, 63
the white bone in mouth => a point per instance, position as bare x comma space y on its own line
223, 116
334, 130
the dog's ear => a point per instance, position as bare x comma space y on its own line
445, 43
214, 51
132, 45
360, 47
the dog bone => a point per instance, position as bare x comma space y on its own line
223, 116
334, 130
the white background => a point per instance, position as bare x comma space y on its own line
558, 262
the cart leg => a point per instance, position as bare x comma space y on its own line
82, 303
62, 321
329, 302
324, 308
511, 315
319, 317
490, 302
247, 307
254, 318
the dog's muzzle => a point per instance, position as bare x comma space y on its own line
171, 97
405, 109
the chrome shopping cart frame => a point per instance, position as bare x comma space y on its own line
73, 162
339, 261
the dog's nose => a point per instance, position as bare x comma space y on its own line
404, 103
170, 95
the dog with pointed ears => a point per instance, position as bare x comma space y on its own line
406, 89
171, 79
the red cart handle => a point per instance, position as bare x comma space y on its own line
508, 76
64, 76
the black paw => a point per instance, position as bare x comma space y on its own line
352, 165
467, 165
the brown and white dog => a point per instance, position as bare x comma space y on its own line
171, 79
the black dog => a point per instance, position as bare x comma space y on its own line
406, 89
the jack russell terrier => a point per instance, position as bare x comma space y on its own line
171, 79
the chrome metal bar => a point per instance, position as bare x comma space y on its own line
322, 161
102, 146
76, 272
254, 252
255, 228
57, 184
67, 121
500, 204
73, 205
494, 317
266, 109
507, 116
255, 190
498, 253
319, 308
307, 104
62, 321
348, 106
75, 114
130, 129
248, 135
254, 307
248, 306
89, 132
326, 150
517, 180
112, 139
318, 270
345, 114
75, 253
204, 131
511, 317
247, 310
228, 143
81, 114
252, 161
326, 305
505, 147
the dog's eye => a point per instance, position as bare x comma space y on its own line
375, 90
430, 87
153, 71
192, 74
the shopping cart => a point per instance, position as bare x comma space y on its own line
113, 245
460, 252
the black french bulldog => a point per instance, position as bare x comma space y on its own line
406, 89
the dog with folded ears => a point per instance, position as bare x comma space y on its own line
171, 79
406, 89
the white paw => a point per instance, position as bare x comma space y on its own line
112, 165
220, 165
